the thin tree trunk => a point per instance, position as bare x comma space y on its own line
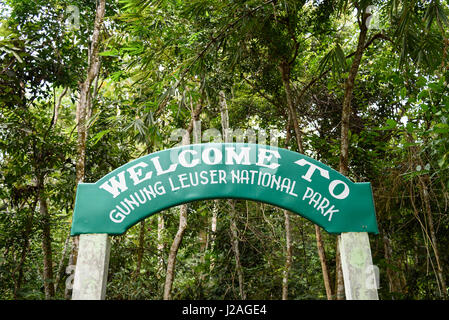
434, 240
339, 283
141, 248
203, 239
236, 250
25, 249
83, 103
57, 106
171, 262
344, 138
213, 230
289, 249
46, 241
324, 269
284, 68
61, 262
424, 182
183, 210
160, 244
393, 279
214, 219
83, 107
288, 257
349, 88
233, 225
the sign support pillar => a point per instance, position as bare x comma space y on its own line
359, 274
91, 271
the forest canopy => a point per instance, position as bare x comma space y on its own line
359, 85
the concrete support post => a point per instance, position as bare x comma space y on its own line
91, 271
359, 274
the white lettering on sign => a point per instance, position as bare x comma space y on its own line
325, 174
116, 217
193, 179
266, 155
159, 169
302, 162
217, 156
204, 177
320, 203
344, 194
264, 179
128, 204
190, 158
182, 159
135, 175
241, 158
114, 186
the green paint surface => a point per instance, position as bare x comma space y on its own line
272, 175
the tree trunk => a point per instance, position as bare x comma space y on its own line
141, 248
25, 249
324, 269
289, 249
236, 250
61, 262
344, 138
349, 88
171, 262
424, 182
427, 227
57, 106
233, 225
46, 241
339, 283
183, 209
213, 230
284, 68
160, 244
394, 284
216, 207
83, 107
84, 99
435, 245
288, 257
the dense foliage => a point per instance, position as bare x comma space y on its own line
272, 62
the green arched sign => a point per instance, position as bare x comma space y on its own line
262, 173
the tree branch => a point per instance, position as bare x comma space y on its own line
214, 39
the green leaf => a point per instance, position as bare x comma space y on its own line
441, 128
410, 127
17, 57
423, 94
435, 86
442, 161
340, 57
391, 123
403, 92
421, 82
109, 53
98, 136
